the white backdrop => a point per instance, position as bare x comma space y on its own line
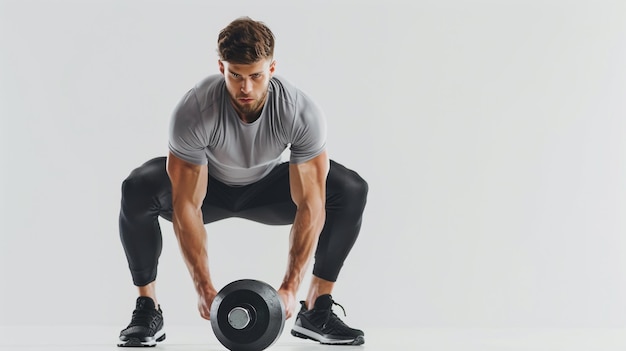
491, 134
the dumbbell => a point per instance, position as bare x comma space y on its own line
247, 315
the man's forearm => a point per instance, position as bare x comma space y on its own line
191, 234
303, 238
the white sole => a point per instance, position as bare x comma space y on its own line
158, 337
322, 339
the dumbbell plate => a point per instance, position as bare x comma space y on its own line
264, 307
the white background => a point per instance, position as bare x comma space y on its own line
491, 134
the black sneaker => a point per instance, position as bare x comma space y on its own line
146, 326
322, 324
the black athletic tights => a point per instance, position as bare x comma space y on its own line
147, 194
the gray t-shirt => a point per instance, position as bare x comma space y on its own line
206, 129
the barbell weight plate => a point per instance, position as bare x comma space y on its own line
265, 311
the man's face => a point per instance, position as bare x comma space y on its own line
247, 85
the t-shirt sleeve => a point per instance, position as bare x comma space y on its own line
309, 130
187, 135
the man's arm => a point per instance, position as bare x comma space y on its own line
308, 191
189, 184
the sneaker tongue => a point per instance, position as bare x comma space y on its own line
323, 302
144, 302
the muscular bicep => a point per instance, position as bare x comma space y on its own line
308, 181
189, 182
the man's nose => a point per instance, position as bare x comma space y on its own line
246, 86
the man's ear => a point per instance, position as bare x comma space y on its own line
272, 67
221, 64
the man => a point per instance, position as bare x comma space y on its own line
226, 138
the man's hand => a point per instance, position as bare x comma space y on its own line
289, 300
205, 300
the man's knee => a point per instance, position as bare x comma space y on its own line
348, 187
131, 186
357, 188
145, 181
134, 188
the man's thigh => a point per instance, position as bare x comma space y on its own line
267, 201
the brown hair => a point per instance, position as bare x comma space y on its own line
245, 41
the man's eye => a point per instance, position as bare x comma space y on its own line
256, 75
235, 75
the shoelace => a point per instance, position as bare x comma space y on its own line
334, 323
142, 318
343, 309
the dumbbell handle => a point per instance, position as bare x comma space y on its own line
239, 318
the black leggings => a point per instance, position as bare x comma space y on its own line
147, 194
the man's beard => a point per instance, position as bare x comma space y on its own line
250, 110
